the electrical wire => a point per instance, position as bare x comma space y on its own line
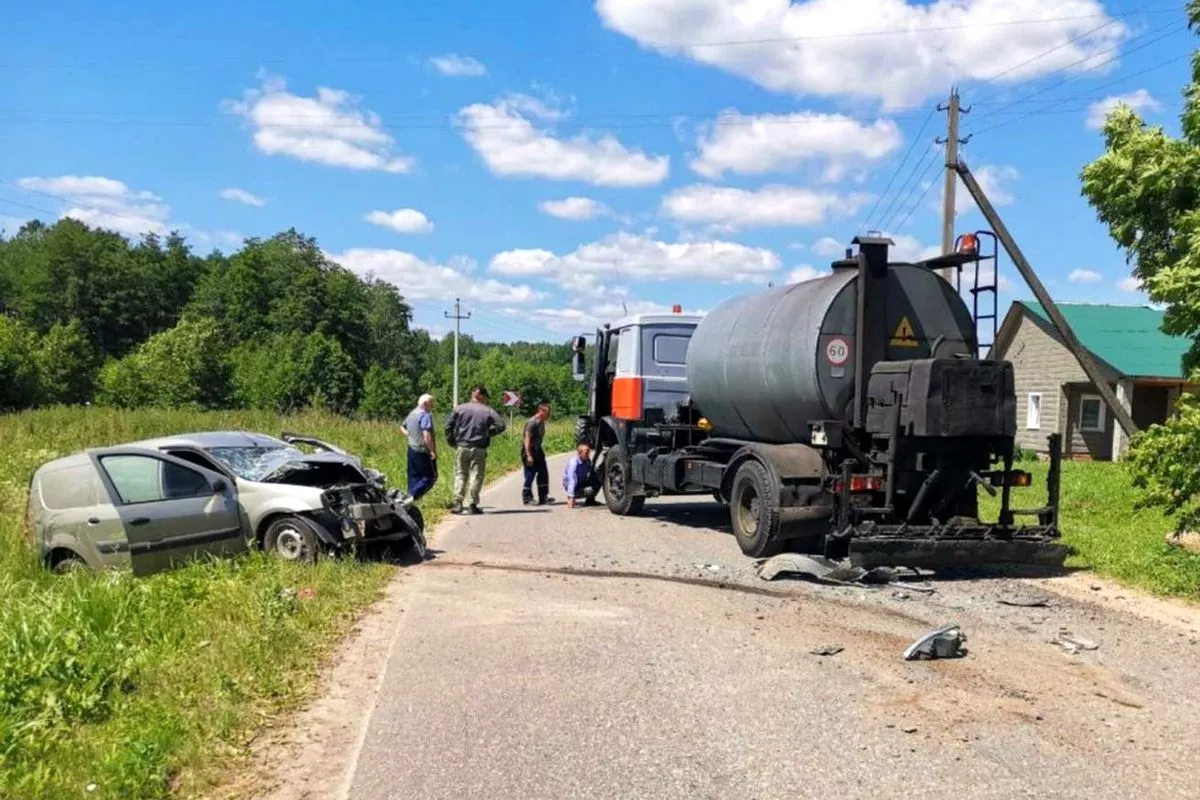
903, 191
870, 214
919, 199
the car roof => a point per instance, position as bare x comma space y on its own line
208, 439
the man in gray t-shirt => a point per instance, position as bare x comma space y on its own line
422, 447
534, 457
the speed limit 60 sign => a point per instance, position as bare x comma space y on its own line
837, 351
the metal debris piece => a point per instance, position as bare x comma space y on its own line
827, 650
915, 587
815, 567
1073, 644
1024, 602
944, 642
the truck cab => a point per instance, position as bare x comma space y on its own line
638, 378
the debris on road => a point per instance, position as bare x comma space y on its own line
827, 650
944, 642
1026, 600
1073, 644
824, 570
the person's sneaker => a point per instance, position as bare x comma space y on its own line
527, 500
545, 501
476, 510
456, 507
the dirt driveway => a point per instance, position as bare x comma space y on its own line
669, 669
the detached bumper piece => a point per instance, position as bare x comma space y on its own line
953, 544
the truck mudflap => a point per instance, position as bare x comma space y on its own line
871, 544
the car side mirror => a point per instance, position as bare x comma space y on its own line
219, 486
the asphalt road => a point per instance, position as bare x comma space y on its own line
509, 679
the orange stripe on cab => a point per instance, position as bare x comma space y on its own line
627, 398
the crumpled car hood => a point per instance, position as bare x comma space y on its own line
327, 468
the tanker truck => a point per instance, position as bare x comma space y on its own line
849, 416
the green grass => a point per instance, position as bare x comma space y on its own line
120, 687
1108, 535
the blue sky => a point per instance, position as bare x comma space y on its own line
555, 162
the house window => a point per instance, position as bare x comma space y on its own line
1091, 413
1033, 411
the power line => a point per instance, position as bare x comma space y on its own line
1067, 43
919, 199
887, 215
1177, 28
910, 31
1091, 93
870, 214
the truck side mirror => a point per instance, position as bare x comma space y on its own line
577, 366
579, 344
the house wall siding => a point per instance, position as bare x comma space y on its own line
1040, 364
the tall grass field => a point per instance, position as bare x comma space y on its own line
119, 687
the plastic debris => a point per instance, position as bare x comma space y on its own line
944, 642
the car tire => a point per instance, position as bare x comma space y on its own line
68, 564
291, 538
754, 511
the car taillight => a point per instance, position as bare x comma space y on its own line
1015, 477
861, 483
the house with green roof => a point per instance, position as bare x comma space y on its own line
1142, 365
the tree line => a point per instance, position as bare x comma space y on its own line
90, 316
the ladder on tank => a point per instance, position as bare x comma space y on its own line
989, 290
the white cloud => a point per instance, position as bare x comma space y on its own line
402, 220
910, 248
104, 203
511, 145
327, 129
1130, 284
805, 272
828, 246
1139, 101
573, 208
833, 48
592, 269
418, 279
728, 208
993, 180
754, 145
1084, 276
457, 66
235, 195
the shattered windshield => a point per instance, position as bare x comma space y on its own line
255, 463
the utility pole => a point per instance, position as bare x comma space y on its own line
458, 317
952, 142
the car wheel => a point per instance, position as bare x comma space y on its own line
291, 539
68, 564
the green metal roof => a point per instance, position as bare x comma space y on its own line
1130, 338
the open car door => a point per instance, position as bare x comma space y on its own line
171, 510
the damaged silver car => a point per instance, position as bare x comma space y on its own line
151, 504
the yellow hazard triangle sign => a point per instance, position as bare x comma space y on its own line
904, 336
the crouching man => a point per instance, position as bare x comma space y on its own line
579, 478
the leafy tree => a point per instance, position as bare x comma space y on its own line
288, 372
1144, 188
387, 394
183, 367
18, 374
66, 364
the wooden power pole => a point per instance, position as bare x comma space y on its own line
952, 141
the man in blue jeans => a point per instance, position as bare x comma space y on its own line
534, 457
422, 448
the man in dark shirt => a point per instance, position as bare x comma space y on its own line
534, 457
469, 430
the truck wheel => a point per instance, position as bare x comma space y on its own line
583, 430
618, 488
754, 511
292, 539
